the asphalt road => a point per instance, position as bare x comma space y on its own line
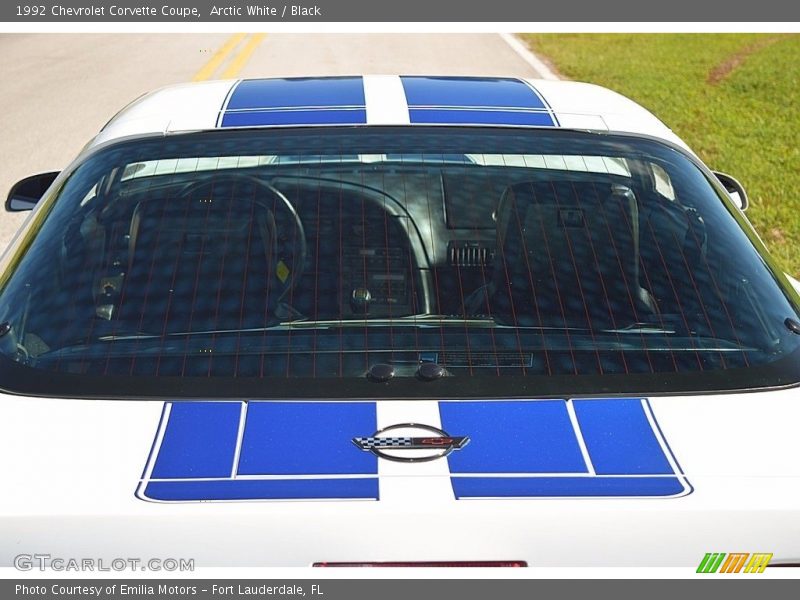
59, 89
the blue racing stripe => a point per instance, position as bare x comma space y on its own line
281, 441
444, 116
279, 489
297, 92
256, 118
513, 437
341, 101
307, 438
296, 101
619, 438
522, 487
475, 101
197, 457
537, 439
199, 440
493, 92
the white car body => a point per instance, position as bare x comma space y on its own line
78, 470
77, 465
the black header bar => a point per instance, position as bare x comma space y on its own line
439, 11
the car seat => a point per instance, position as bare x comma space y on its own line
200, 262
567, 256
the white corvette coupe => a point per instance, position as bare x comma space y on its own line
395, 320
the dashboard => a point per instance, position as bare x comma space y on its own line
364, 256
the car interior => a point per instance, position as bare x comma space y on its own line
248, 248
486, 251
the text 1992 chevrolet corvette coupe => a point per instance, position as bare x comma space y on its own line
329, 320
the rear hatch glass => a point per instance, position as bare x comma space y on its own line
391, 262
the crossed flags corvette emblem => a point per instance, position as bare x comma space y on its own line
440, 443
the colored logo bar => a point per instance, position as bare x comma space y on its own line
736, 562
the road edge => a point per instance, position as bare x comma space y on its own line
529, 57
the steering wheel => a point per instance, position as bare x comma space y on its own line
297, 243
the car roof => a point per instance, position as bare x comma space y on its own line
383, 100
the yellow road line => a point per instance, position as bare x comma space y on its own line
240, 60
218, 58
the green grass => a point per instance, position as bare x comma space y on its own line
747, 124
